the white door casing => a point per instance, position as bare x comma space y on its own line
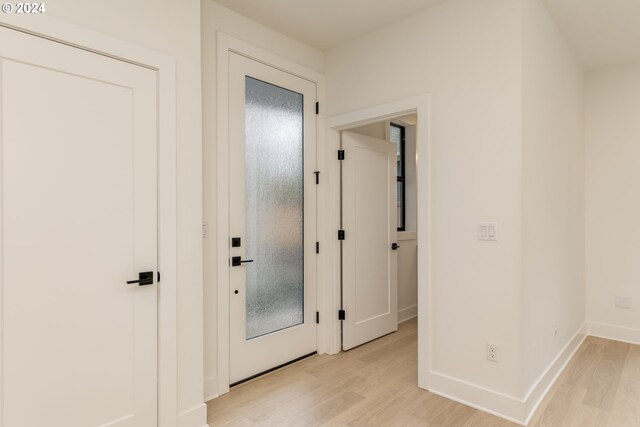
250, 357
79, 219
369, 211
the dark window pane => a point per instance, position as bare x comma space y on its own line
396, 135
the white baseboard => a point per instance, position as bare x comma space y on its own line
407, 313
613, 332
511, 408
541, 388
478, 397
194, 417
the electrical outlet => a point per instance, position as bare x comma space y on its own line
623, 302
555, 328
492, 352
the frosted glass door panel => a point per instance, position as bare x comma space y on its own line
274, 196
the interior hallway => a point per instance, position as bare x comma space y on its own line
375, 385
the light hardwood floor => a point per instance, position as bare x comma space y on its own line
599, 388
375, 385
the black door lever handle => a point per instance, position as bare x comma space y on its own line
394, 246
144, 278
238, 261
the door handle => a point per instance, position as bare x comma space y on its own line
237, 261
144, 278
394, 246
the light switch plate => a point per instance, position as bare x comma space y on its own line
488, 231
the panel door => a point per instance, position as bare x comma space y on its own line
272, 217
369, 218
78, 220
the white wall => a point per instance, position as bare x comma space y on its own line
407, 276
467, 55
507, 146
218, 18
553, 192
173, 28
613, 199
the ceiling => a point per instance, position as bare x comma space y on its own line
601, 32
324, 24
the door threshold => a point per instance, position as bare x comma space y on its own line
291, 362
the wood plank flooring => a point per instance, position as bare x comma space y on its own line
599, 388
375, 385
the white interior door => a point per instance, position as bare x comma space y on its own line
79, 219
272, 217
369, 211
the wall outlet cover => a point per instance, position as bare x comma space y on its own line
492, 353
624, 302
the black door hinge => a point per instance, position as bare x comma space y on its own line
317, 247
341, 234
341, 315
317, 317
317, 173
317, 108
340, 154
158, 277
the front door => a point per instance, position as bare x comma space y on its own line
78, 219
369, 212
272, 217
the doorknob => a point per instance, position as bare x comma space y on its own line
394, 246
144, 278
238, 261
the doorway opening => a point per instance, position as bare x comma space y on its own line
401, 132
409, 117
379, 286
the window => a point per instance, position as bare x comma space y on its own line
397, 137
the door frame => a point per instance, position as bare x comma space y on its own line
419, 105
164, 67
225, 45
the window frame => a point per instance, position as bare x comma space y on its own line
401, 174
